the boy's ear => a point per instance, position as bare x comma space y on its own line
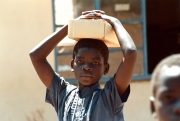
72, 65
152, 107
106, 68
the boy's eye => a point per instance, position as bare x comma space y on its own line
79, 61
168, 99
96, 63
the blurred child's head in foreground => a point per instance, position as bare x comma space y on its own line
165, 89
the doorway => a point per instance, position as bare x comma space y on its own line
163, 30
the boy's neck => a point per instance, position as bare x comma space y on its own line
88, 90
81, 86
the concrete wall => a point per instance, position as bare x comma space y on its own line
23, 24
137, 108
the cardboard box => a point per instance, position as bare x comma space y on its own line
91, 28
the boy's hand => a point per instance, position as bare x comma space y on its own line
109, 19
93, 14
98, 14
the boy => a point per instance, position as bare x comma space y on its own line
87, 102
165, 99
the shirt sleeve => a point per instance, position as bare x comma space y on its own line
56, 91
112, 98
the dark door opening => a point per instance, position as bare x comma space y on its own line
163, 30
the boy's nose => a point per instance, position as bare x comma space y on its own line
86, 69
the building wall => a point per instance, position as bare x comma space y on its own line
137, 108
23, 24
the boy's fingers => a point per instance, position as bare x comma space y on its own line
99, 11
93, 11
98, 14
92, 14
91, 17
86, 12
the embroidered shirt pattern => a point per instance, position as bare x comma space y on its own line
75, 106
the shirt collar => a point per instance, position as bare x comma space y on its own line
88, 90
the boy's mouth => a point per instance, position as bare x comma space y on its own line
86, 76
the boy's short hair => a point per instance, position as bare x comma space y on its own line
168, 61
92, 43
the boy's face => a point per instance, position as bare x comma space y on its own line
89, 66
167, 97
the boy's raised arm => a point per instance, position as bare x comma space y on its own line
39, 53
126, 67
